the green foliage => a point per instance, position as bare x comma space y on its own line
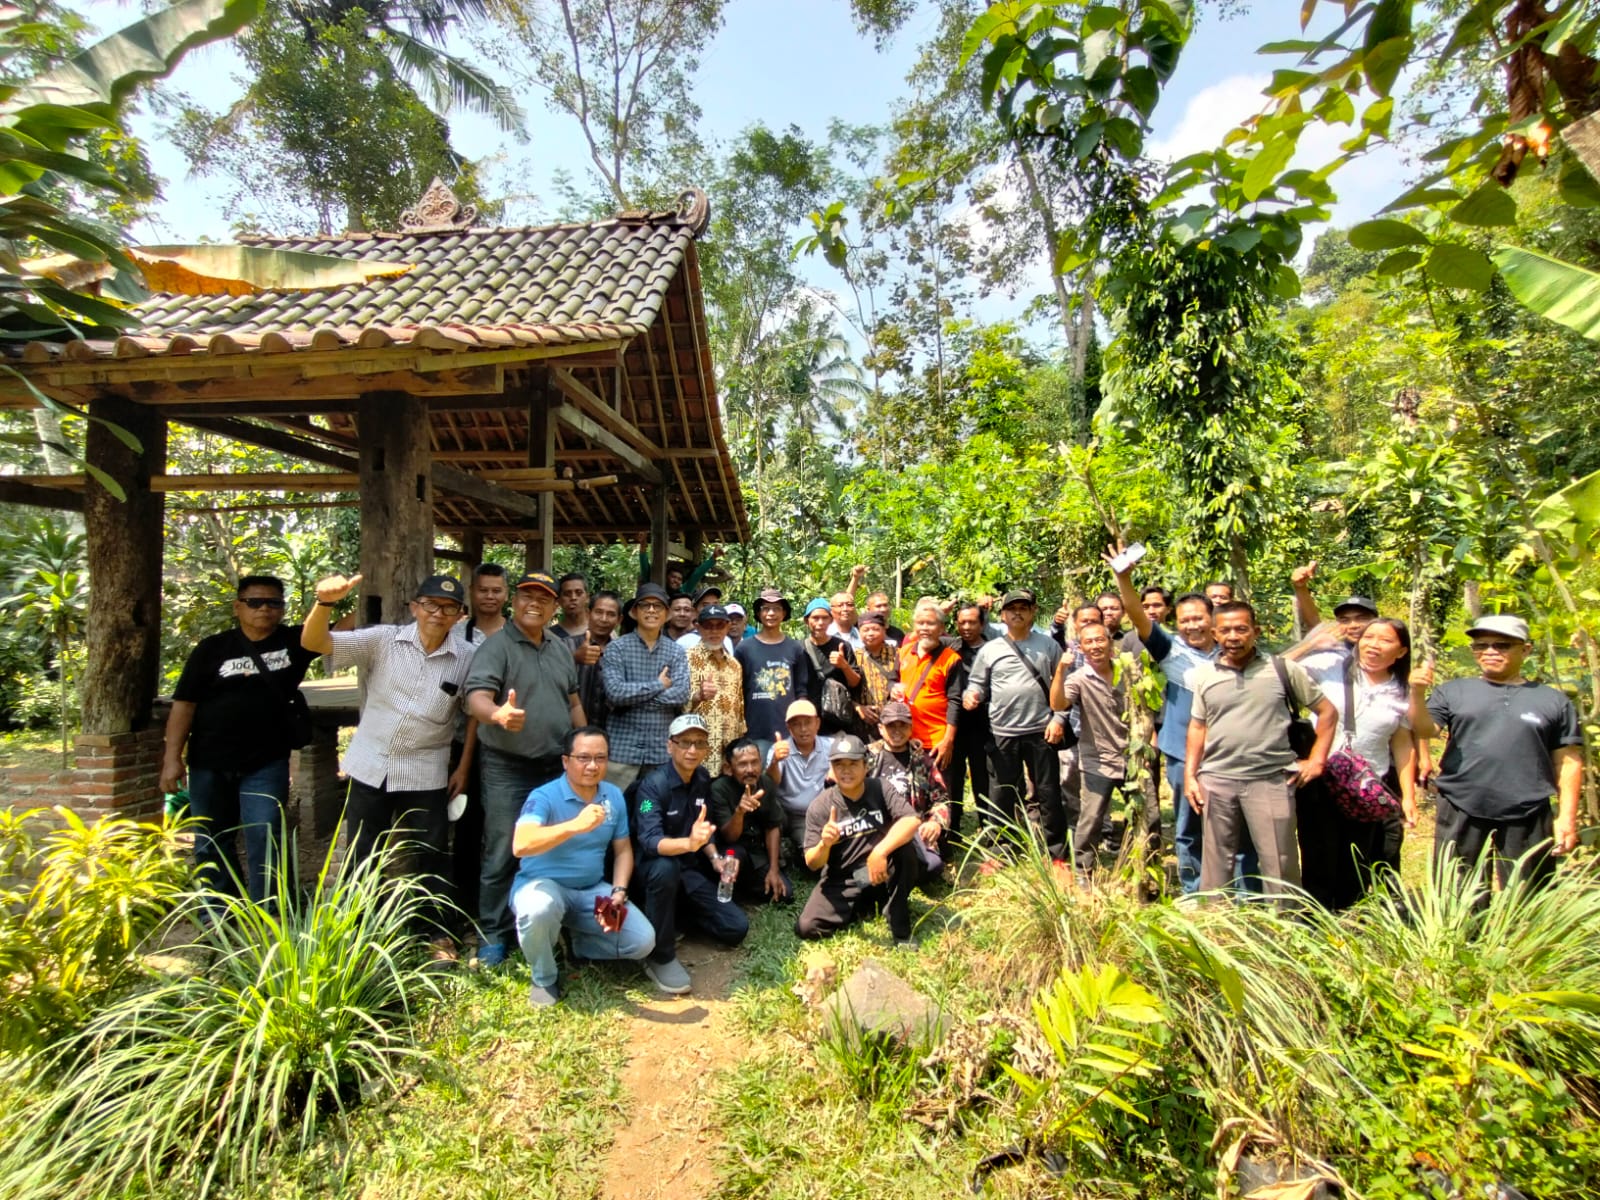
78, 904
303, 1011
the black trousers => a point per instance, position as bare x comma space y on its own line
413, 821
1339, 858
750, 886
466, 841
677, 887
837, 903
1009, 759
970, 753
1527, 840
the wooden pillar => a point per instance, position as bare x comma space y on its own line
694, 545
124, 544
396, 503
658, 535
471, 552
542, 403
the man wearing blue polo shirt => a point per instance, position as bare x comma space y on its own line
561, 838
1195, 646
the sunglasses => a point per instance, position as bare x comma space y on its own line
260, 602
1497, 647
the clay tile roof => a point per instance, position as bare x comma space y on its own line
555, 284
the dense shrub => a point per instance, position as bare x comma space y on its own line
300, 1014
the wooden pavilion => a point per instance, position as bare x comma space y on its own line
528, 385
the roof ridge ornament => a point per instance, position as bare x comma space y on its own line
439, 211
694, 210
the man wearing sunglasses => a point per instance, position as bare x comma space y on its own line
230, 711
1513, 744
413, 679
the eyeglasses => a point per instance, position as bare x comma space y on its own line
590, 760
1497, 647
700, 744
260, 602
439, 610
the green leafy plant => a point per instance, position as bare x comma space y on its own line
78, 903
304, 1010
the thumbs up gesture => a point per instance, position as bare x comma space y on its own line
837, 657
508, 716
780, 747
700, 833
335, 588
1304, 574
831, 831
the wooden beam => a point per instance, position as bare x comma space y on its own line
456, 556
581, 423
658, 534
13, 491
541, 543
274, 439
591, 405
483, 486
478, 487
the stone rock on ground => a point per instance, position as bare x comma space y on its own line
875, 1003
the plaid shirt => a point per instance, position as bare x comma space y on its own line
641, 709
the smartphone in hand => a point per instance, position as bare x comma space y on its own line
1121, 562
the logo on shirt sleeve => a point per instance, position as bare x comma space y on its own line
647, 806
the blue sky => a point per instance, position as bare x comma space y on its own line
798, 62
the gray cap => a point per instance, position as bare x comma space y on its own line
847, 745
1502, 623
894, 710
1362, 603
683, 724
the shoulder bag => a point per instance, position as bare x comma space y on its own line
1357, 789
1302, 733
297, 718
838, 705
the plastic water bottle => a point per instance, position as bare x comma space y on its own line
730, 872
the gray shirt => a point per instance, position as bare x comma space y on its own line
1246, 718
1103, 744
1018, 704
408, 711
802, 776
544, 677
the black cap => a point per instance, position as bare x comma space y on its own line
650, 591
539, 580
847, 745
1019, 596
1357, 602
709, 590
712, 612
442, 587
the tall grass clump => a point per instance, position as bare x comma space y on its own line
304, 1009
78, 903
1431, 1037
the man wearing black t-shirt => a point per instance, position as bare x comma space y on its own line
776, 669
231, 710
858, 834
1513, 744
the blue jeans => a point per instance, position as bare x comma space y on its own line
507, 779
1188, 840
227, 801
543, 906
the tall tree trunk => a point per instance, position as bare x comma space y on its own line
1047, 224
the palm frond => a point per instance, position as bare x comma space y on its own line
451, 80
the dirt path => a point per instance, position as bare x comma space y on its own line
668, 1145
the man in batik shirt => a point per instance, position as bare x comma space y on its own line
716, 681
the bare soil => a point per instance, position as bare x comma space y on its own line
674, 1044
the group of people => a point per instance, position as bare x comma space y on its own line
623, 770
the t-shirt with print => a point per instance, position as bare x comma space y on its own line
776, 674
241, 719
580, 861
1497, 765
862, 823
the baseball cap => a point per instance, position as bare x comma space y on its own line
1018, 596
895, 710
1362, 603
847, 745
709, 590
688, 721
712, 612
1502, 623
800, 708
651, 591
872, 618
442, 587
736, 610
818, 605
537, 579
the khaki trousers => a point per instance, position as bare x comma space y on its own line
1261, 808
